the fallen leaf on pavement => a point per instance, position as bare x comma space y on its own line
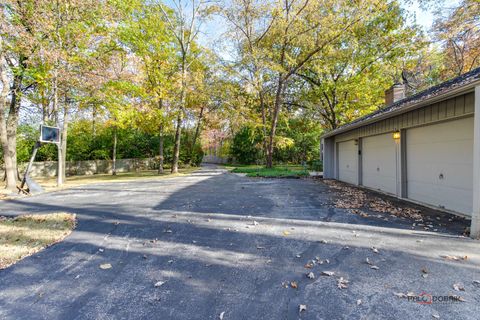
368, 262
375, 250
455, 258
477, 282
403, 295
286, 233
302, 307
105, 266
294, 284
159, 284
311, 275
425, 270
342, 283
458, 287
359, 302
374, 267
308, 265
354, 199
436, 316
221, 315
328, 273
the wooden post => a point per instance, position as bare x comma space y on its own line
29, 166
475, 227
328, 158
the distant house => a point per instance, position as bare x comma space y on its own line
424, 148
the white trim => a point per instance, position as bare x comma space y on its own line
475, 227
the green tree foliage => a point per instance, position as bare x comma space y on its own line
245, 147
131, 79
85, 143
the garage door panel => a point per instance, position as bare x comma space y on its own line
427, 194
440, 165
454, 176
348, 162
379, 163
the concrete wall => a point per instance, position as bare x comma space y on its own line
214, 159
90, 167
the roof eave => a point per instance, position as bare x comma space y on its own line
443, 96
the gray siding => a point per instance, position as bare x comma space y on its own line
457, 107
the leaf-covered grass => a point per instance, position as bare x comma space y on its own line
25, 235
290, 171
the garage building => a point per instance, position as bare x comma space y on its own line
424, 148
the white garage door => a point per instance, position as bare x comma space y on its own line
440, 165
379, 162
348, 162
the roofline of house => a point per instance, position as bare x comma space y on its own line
470, 87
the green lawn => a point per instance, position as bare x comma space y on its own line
286, 171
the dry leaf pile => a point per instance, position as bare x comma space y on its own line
355, 199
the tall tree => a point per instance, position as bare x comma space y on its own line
349, 79
184, 23
459, 35
17, 46
77, 33
146, 36
250, 21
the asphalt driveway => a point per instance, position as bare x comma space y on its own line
215, 245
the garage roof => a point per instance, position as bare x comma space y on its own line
442, 91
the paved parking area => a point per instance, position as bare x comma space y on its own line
215, 245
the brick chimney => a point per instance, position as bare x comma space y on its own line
395, 93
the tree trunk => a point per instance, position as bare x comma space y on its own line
178, 131
276, 112
197, 132
176, 147
264, 126
114, 156
9, 121
160, 150
62, 149
160, 139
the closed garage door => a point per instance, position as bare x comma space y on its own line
348, 162
379, 162
440, 165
